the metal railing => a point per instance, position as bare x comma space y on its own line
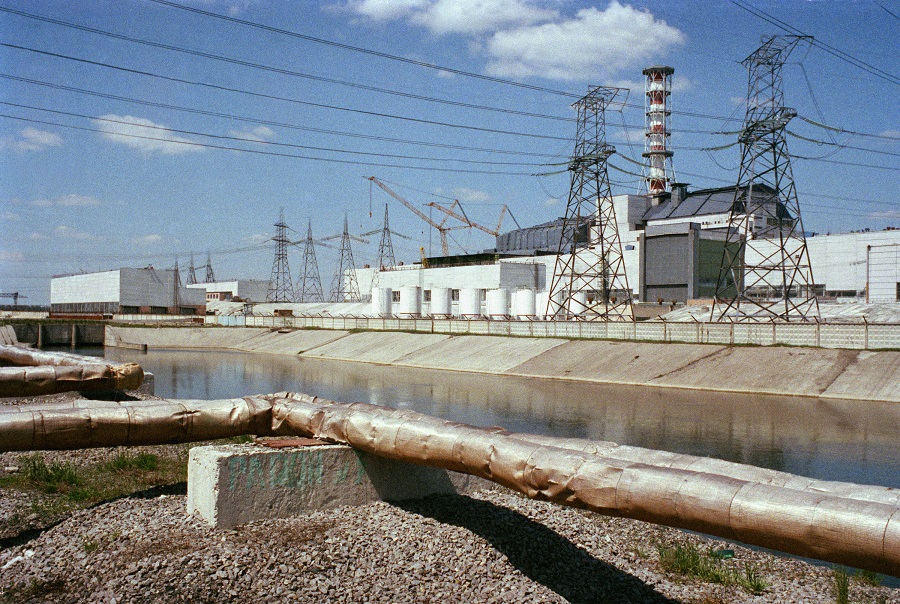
860, 336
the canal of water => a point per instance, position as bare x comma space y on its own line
854, 441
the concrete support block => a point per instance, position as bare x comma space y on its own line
233, 484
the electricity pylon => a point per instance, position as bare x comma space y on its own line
280, 287
344, 287
309, 284
589, 281
192, 273
765, 274
210, 277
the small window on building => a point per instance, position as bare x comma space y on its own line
159, 310
898, 292
426, 295
454, 295
395, 295
629, 247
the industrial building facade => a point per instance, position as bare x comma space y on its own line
123, 291
672, 246
239, 290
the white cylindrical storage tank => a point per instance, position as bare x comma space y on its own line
470, 303
498, 303
440, 302
541, 300
578, 303
524, 304
382, 301
410, 301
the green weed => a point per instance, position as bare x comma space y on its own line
841, 585
126, 461
688, 560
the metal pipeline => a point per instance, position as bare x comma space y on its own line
857, 525
35, 372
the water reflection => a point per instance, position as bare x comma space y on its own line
828, 439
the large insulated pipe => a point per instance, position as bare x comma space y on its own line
856, 525
863, 534
30, 372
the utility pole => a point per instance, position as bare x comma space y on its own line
310, 285
589, 281
765, 274
280, 287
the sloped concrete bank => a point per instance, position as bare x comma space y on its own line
826, 373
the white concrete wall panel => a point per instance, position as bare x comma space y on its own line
91, 287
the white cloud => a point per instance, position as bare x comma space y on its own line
386, 10
72, 200
142, 134
35, 236
550, 201
9, 216
616, 39
471, 195
891, 134
259, 134
526, 38
67, 232
32, 139
11, 256
479, 16
147, 240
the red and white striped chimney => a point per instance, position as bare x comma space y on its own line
659, 172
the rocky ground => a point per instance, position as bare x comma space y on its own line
494, 546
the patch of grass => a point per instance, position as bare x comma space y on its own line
240, 440
85, 485
50, 478
688, 560
752, 581
33, 590
90, 546
841, 585
868, 577
127, 461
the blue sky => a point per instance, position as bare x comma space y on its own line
259, 119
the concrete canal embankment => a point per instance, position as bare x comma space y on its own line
826, 373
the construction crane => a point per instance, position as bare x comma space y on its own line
461, 216
443, 230
15, 296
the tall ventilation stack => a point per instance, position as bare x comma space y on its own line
659, 171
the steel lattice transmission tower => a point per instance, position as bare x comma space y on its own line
344, 287
765, 273
310, 285
192, 273
589, 281
280, 287
210, 277
386, 246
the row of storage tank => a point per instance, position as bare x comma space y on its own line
473, 303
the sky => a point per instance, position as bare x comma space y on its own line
140, 132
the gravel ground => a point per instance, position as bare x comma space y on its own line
492, 546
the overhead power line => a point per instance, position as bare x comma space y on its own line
269, 122
836, 52
367, 51
258, 141
298, 74
261, 152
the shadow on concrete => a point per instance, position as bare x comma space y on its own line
541, 554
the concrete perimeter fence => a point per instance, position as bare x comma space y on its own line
860, 336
